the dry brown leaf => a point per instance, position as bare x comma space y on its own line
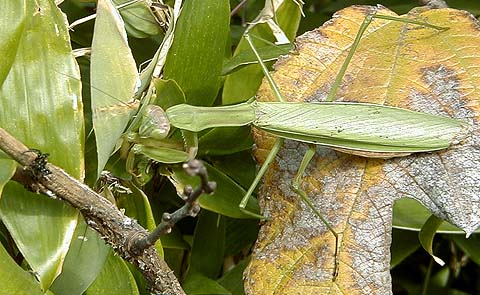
397, 64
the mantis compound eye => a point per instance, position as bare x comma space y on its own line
155, 124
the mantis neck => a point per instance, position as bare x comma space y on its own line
195, 118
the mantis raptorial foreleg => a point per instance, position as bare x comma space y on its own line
271, 156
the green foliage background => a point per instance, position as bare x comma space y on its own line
209, 253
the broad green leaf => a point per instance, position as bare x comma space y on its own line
79, 269
239, 166
175, 259
208, 245
225, 141
233, 279
404, 243
239, 234
155, 67
200, 39
114, 279
40, 106
139, 19
13, 22
356, 194
198, 284
242, 84
43, 109
41, 227
14, 279
409, 214
174, 240
224, 200
114, 77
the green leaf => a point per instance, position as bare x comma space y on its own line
139, 19
168, 93
42, 229
114, 76
225, 141
233, 279
13, 22
79, 269
174, 240
239, 166
409, 214
15, 280
426, 235
224, 200
43, 109
240, 234
175, 259
404, 243
114, 279
40, 106
208, 245
197, 284
200, 39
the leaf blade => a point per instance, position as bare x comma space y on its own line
200, 38
110, 116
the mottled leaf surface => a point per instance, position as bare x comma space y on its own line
396, 64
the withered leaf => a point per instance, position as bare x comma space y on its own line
397, 64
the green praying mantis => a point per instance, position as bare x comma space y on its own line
357, 128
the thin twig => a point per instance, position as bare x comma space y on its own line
115, 228
238, 7
191, 207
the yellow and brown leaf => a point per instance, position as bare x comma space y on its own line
397, 64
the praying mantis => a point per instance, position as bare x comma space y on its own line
328, 124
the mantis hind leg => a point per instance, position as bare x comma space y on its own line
303, 195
